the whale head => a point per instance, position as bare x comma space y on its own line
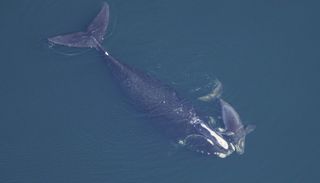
208, 140
205, 145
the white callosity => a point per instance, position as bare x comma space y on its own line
219, 139
210, 141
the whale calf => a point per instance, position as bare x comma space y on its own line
172, 113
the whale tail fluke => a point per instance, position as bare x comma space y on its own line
91, 38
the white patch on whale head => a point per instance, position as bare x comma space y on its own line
210, 141
221, 155
223, 143
181, 142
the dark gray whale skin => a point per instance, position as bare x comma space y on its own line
171, 113
155, 98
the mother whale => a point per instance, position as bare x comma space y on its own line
173, 114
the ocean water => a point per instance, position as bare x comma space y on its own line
63, 119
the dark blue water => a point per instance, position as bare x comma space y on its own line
62, 119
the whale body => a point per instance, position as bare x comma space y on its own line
178, 117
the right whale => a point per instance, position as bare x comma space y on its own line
179, 118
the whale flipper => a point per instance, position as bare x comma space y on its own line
91, 38
233, 125
216, 92
230, 117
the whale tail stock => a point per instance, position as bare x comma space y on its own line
91, 38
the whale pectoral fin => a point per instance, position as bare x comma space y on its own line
205, 98
233, 123
230, 117
216, 92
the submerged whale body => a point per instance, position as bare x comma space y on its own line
178, 117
